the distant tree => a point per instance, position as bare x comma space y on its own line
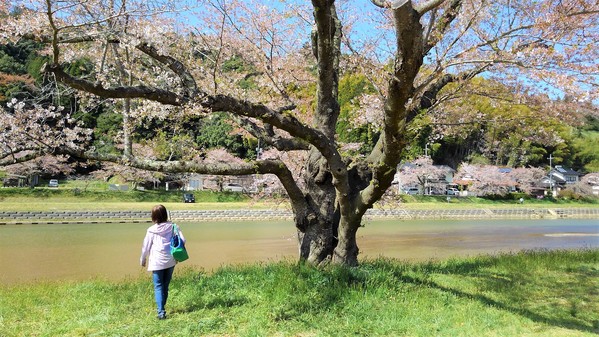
527, 178
15, 86
218, 132
591, 180
171, 146
493, 180
45, 165
484, 179
591, 123
422, 173
493, 121
127, 174
577, 191
586, 151
356, 124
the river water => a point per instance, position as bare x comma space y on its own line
29, 253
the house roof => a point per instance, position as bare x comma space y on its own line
555, 179
565, 171
410, 165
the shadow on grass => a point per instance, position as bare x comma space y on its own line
552, 288
564, 323
516, 286
213, 303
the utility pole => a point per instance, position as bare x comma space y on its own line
550, 174
258, 150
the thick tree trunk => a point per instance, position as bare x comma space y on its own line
347, 250
324, 235
330, 240
317, 242
317, 238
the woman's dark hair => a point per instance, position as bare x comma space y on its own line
159, 214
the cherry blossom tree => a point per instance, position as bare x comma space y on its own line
127, 173
590, 182
421, 172
578, 190
591, 179
54, 165
484, 179
493, 180
527, 178
275, 69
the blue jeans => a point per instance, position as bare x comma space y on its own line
162, 278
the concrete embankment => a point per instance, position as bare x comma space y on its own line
65, 217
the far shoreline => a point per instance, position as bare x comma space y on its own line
283, 213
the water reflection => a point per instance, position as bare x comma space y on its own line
82, 251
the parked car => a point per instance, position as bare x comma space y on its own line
188, 198
232, 187
53, 183
412, 190
452, 191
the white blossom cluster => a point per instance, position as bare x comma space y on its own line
40, 127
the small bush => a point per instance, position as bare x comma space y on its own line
578, 191
508, 196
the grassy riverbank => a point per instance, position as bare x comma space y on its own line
524, 294
47, 199
65, 199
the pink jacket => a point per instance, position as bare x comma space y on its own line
156, 247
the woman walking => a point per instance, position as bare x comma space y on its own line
156, 254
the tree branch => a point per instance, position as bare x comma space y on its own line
54, 39
154, 94
326, 45
443, 23
175, 66
381, 3
429, 94
429, 5
9, 158
214, 103
275, 167
187, 80
268, 135
282, 121
387, 152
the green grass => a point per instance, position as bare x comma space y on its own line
507, 201
29, 205
547, 293
47, 199
68, 197
66, 194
